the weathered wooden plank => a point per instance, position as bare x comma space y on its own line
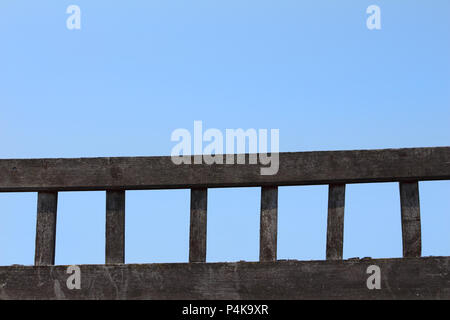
268, 224
47, 206
115, 226
198, 225
297, 168
335, 222
411, 278
410, 209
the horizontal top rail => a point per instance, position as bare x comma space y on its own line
295, 168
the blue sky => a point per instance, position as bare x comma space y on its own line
138, 70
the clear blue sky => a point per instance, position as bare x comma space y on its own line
137, 70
